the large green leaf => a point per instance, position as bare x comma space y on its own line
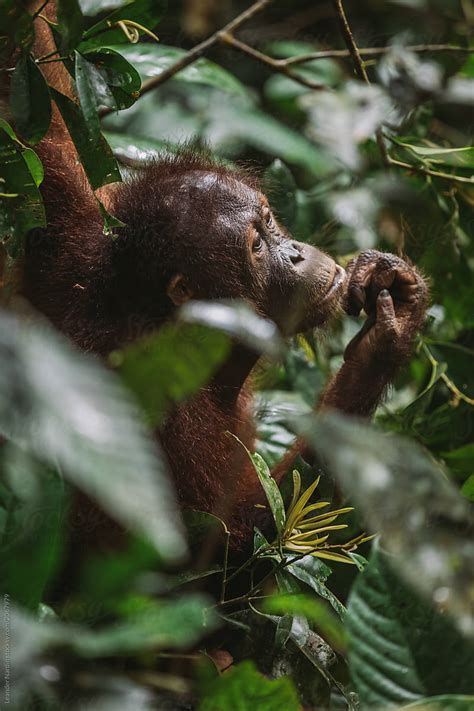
67, 410
30, 100
95, 153
403, 495
174, 624
400, 649
152, 59
242, 688
171, 624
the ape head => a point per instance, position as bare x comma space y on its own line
197, 230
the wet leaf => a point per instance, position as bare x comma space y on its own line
95, 153
30, 100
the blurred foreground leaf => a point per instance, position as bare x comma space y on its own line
64, 408
170, 365
425, 522
238, 321
400, 648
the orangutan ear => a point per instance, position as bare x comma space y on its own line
179, 290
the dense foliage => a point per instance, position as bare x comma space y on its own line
365, 146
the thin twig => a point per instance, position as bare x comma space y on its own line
277, 65
196, 52
350, 42
372, 52
359, 69
428, 171
457, 394
226, 561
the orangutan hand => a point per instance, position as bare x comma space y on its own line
394, 295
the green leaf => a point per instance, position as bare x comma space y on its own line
314, 573
272, 492
175, 624
35, 165
400, 649
24, 211
121, 79
152, 59
96, 155
30, 100
92, 91
144, 12
67, 410
170, 365
70, 24
242, 688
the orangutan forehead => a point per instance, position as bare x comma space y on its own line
222, 186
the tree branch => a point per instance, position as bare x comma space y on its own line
277, 65
373, 52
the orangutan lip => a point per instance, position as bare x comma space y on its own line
339, 277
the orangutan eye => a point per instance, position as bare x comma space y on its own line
257, 245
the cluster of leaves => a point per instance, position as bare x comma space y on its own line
392, 632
